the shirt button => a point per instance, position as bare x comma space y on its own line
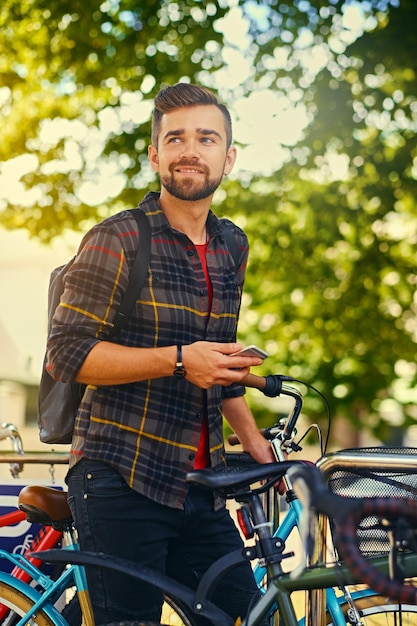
202, 292
190, 252
192, 456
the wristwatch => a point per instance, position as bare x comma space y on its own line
179, 370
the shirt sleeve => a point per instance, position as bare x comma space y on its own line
233, 391
93, 288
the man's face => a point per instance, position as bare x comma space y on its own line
192, 156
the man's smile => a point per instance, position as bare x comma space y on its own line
188, 169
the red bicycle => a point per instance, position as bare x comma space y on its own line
23, 537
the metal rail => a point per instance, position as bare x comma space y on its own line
357, 459
18, 457
45, 458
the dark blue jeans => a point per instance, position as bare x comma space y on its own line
112, 518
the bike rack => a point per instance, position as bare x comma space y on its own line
45, 458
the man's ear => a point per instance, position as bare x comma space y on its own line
230, 160
153, 158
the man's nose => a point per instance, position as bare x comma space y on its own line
190, 149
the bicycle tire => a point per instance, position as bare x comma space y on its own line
378, 611
20, 604
134, 623
174, 614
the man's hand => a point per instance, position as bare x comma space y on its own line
260, 449
209, 363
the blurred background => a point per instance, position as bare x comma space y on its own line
323, 96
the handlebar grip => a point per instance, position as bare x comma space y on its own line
348, 544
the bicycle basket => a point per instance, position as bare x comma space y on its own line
360, 482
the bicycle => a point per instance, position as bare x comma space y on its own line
283, 435
48, 518
38, 535
399, 518
177, 613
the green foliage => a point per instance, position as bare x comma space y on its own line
348, 249
87, 65
332, 296
331, 285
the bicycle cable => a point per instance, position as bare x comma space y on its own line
315, 427
274, 385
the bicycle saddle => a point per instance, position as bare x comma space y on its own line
45, 505
227, 481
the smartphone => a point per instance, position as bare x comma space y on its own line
251, 351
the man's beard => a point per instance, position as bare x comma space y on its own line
188, 188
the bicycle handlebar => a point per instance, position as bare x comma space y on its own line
10, 431
389, 509
273, 386
309, 485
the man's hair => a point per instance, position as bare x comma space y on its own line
185, 95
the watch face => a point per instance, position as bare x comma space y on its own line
179, 371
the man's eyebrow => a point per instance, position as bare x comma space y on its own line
208, 131
201, 131
174, 133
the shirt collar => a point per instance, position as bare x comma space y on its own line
159, 222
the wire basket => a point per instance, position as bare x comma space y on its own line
372, 481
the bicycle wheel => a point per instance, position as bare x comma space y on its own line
71, 612
378, 611
20, 604
173, 614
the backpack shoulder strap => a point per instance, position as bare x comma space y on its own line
55, 289
229, 236
137, 274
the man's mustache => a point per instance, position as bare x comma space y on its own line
187, 163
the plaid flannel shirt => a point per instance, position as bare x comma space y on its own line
149, 430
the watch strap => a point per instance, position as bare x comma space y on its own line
179, 370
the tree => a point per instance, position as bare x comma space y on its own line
343, 293
77, 80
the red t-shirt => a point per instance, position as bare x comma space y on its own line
202, 458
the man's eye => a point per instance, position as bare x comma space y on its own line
206, 140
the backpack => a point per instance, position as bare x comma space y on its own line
58, 402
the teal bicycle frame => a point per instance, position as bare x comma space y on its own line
333, 601
51, 590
